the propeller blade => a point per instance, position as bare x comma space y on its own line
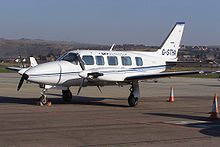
99, 89
81, 62
81, 84
24, 77
20, 83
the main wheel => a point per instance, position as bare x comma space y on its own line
67, 96
132, 101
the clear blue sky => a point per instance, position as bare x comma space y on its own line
110, 21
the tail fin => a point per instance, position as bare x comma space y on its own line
171, 44
33, 61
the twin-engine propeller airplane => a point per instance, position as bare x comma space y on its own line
101, 67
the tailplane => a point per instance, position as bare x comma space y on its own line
171, 44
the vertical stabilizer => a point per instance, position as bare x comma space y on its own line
171, 44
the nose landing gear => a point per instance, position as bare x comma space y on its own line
67, 96
43, 99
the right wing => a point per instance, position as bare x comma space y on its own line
120, 75
161, 75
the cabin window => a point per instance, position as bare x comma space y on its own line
89, 60
126, 60
70, 57
99, 60
112, 60
139, 61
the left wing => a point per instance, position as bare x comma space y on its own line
14, 68
161, 75
33, 63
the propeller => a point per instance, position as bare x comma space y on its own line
23, 77
82, 65
94, 74
81, 62
99, 89
80, 87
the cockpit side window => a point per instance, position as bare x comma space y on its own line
71, 57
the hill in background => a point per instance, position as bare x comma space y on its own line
46, 50
29, 47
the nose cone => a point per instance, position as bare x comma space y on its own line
46, 73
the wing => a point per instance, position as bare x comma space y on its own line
14, 68
161, 75
120, 75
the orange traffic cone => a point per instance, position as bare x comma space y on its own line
214, 111
171, 99
49, 103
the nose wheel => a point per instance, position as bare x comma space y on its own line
43, 99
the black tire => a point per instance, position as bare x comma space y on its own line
67, 96
43, 100
132, 101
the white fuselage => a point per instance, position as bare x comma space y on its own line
115, 66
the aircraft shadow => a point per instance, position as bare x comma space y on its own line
82, 100
14, 100
79, 100
210, 128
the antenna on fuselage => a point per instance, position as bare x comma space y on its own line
112, 47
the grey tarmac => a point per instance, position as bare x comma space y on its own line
104, 119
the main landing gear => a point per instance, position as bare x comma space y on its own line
67, 95
134, 95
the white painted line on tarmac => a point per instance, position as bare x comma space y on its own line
194, 123
186, 122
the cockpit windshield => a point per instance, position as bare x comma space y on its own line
70, 57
